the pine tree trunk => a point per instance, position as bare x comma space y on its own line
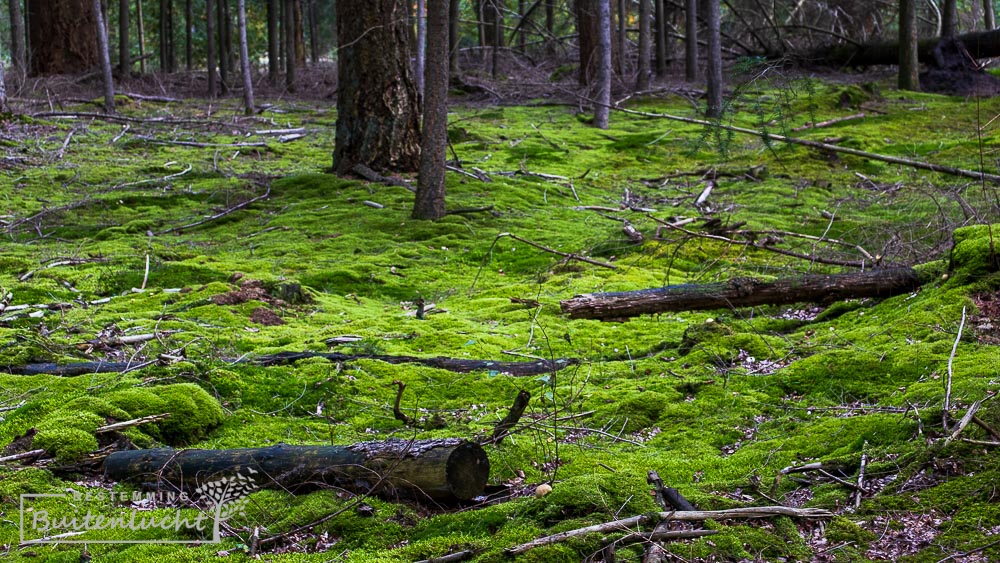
313, 14
188, 30
714, 66
661, 38
210, 39
3, 91
273, 58
691, 41
300, 35
124, 50
645, 30
949, 18
418, 71
241, 14
989, 15
140, 29
377, 108
909, 65
454, 13
222, 14
63, 36
17, 36
619, 49
105, 56
288, 23
588, 33
430, 200
602, 105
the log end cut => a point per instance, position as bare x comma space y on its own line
467, 471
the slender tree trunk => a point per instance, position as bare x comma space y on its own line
210, 39
282, 33
188, 32
645, 30
289, 23
989, 15
241, 14
300, 35
313, 14
140, 31
714, 67
496, 6
378, 117
421, 18
17, 36
661, 38
273, 58
166, 36
620, 48
105, 55
909, 64
691, 41
3, 91
222, 13
454, 14
602, 107
550, 26
124, 52
520, 22
430, 199
949, 18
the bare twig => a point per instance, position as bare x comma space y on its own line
565, 255
951, 360
130, 423
217, 215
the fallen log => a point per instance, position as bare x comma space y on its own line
742, 292
440, 470
538, 367
980, 45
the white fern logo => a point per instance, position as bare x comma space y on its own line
226, 497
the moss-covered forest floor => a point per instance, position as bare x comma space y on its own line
124, 244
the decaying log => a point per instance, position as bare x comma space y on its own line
742, 292
980, 45
538, 367
440, 470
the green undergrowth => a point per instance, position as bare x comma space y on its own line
717, 402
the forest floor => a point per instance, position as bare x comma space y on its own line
182, 239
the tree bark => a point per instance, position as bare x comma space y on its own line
124, 50
949, 18
742, 292
661, 38
618, 55
602, 106
909, 64
587, 33
300, 35
105, 56
241, 14
420, 60
188, 31
210, 38
223, 49
645, 31
454, 15
273, 67
167, 36
63, 36
440, 470
313, 16
377, 108
430, 200
989, 15
691, 41
496, 23
140, 30
714, 59
288, 22
17, 36
3, 91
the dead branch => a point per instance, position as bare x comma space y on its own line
829, 122
397, 413
565, 255
23, 455
199, 145
130, 423
951, 360
686, 516
503, 427
217, 215
451, 557
667, 496
373, 176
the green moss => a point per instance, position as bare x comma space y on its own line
193, 412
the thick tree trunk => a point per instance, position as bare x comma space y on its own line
589, 31
602, 105
17, 36
742, 292
63, 36
981, 45
714, 59
105, 57
440, 470
377, 108
645, 32
210, 38
989, 15
273, 67
430, 200
124, 50
909, 64
245, 57
691, 41
949, 18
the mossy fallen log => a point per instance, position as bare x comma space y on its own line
979, 45
440, 470
742, 292
537, 367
